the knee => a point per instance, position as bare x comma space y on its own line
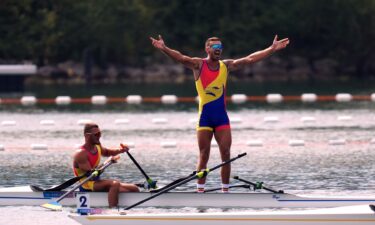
115, 184
204, 156
225, 155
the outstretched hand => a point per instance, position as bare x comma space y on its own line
158, 43
277, 45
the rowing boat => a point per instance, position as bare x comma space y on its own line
349, 215
23, 195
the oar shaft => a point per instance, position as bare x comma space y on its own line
83, 182
160, 193
138, 166
228, 161
192, 177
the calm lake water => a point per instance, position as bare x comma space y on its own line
318, 167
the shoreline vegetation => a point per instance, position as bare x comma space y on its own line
69, 40
273, 69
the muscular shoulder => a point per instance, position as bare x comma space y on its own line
80, 156
228, 63
197, 63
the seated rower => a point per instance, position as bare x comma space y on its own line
88, 158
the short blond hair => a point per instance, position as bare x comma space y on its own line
211, 39
89, 126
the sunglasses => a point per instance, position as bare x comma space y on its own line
97, 134
217, 46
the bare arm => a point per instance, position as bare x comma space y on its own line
112, 152
80, 158
234, 64
189, 62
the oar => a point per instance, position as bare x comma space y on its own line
172, 183
197, 175
150, 182
55, 205
258, 185
59, 187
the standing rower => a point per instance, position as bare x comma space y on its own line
210, 76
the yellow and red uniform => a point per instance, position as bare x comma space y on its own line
211, 88
94, 160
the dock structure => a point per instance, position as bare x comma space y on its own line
12, 77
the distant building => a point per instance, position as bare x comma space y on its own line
12, 77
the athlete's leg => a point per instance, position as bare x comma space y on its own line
204, 143
125, 187
224, 140
113, 188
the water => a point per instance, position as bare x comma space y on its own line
316, 168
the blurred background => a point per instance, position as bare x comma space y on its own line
86, 47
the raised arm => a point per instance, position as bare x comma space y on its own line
191, 63
234, 64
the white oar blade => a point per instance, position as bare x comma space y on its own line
55, 206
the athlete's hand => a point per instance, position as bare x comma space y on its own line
114, 158
277, 45
159, 44
124, 148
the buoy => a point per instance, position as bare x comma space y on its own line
255, 143
98, 100
309, 97
83, 121
343, 97
235, 120
296, 143
39, 147
121, 121
47, 122
308, 119
28, 100
193, 120
169, 99
8, 123
271, 119
337, 142
134, 99
63, 100
344, 118
159, 120
129, 144
239, 98
373, 97
274, 98
168, 144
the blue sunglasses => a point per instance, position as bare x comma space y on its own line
217, 46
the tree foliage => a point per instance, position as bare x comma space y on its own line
117, 31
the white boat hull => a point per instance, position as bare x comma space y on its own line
25, 196
333, 216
